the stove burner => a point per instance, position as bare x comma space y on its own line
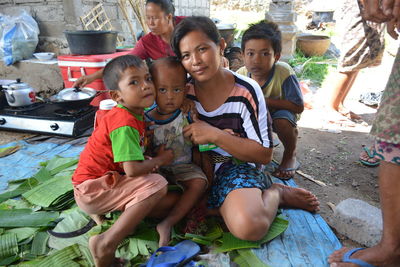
23, 108
71, 112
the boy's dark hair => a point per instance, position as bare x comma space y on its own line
195, 23
171, 61
165, 5
113, 70
264, 30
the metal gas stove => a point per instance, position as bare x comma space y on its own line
47, 118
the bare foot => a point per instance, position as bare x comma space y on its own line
164, 230
102, 254
349, 114
377, 256
300, 198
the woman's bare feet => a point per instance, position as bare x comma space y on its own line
300, 198
377, 256
103, 255
164, 230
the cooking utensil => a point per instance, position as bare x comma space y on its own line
19, 94
91, 42
74, 98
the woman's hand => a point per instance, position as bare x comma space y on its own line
201, 132
373, 11
81, 82
86, 79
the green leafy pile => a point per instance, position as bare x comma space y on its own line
313, 68
47, 202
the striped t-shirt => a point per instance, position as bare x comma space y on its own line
244, 112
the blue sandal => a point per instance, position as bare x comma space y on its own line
178, 255
361, 263
371, 153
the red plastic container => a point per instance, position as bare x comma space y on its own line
74, 66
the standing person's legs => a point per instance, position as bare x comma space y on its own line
342, 86
387, 252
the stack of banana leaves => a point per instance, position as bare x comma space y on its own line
31, 207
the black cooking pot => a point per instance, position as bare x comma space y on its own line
91, 42
74, 98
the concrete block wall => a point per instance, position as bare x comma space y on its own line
56, 16
192, 7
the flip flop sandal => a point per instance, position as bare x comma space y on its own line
346, 258
178, 255
371, 153
279, 169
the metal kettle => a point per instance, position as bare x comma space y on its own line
19, 94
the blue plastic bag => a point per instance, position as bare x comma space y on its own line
18, 37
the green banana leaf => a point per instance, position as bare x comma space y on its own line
65, 258
39, 244
46, 193
18, 189
43, 175
9, 260
57, 164
5, 151
246, 258
229, 242
26, 218
22, 233
72, 221
18, 204
8, 245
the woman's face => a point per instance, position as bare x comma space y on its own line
156, 19
201, 57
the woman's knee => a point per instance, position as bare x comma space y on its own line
249, 228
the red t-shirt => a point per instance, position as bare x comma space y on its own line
152, 46
118, 138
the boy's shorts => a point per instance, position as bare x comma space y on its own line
178, 173
114, 191
285, 114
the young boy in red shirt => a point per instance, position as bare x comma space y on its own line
113, 173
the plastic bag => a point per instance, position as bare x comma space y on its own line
18, 37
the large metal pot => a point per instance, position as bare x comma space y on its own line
91, 42
74, 98
19, 94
